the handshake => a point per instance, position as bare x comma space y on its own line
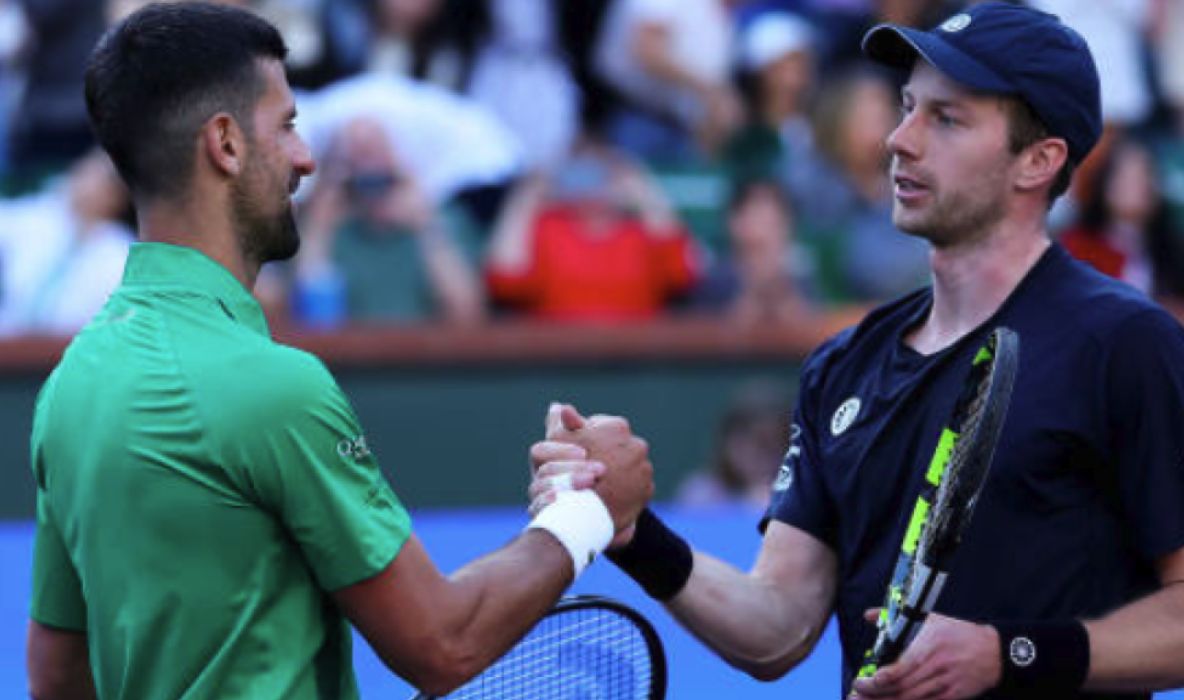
592, 481
597, 453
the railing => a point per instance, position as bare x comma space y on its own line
517, 341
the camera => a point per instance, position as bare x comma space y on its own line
369, 186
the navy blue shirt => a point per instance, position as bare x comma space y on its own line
1087, 487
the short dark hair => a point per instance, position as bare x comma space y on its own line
156, 77
1025, 128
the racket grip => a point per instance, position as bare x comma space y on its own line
884, 652
891, 642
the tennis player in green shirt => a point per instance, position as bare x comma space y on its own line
209, 516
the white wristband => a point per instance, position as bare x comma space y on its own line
581, 522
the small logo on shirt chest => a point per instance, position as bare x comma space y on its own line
845, 416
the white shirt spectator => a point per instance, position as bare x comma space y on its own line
53, 276
1113, 29
700, 35
449, 141
1170, 52
520, 76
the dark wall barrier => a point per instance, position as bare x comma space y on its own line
451, 412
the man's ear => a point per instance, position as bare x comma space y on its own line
1040, 163
224, 145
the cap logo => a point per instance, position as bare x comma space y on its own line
956, 23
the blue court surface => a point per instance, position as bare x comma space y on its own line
456, 536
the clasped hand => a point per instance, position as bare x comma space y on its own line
597, 452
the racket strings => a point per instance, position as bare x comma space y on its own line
952, 479
581, 655
946, 507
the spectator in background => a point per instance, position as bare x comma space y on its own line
375, 248
1167, 36
594, 240
14, 37
429, 40
764, 278
50, 129
327, 39
1125, 230
1169, 146
777, 74
750, 444
842, 193
579, 25
453, 145
62, 249
521, 75
670, 61
841, 23
119, 9
1116, 30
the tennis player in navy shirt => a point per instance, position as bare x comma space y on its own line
1068, 582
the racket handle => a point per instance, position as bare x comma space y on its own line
885, 651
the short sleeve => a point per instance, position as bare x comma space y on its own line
1144, 404
57, 599
800, 497
304, 457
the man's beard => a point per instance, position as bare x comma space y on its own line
264, 236
958, 217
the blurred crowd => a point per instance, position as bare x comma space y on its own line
570, 160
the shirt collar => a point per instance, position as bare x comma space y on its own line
163, 265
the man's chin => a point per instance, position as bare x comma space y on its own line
909, 223
287, 252
287, 242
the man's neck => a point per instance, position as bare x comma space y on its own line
212, 235
972, 280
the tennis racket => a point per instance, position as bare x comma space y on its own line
952, 485
585, 648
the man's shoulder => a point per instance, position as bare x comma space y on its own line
262, 370
1098, 305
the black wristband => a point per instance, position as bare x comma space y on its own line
656, 558
1043, 659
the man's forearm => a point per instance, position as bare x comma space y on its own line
453, 282
58, 664
1139, 647
505, 593
437, 631
748, 620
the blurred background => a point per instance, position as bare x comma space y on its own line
654, 208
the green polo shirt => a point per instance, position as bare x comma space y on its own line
199, 489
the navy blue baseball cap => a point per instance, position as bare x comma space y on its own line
1006, 49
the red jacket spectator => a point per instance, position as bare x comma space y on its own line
585, 258
608, 269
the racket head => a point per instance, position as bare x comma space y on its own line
954, 481
585, 648
978, 419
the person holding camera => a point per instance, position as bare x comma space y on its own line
594, 239
376, 248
